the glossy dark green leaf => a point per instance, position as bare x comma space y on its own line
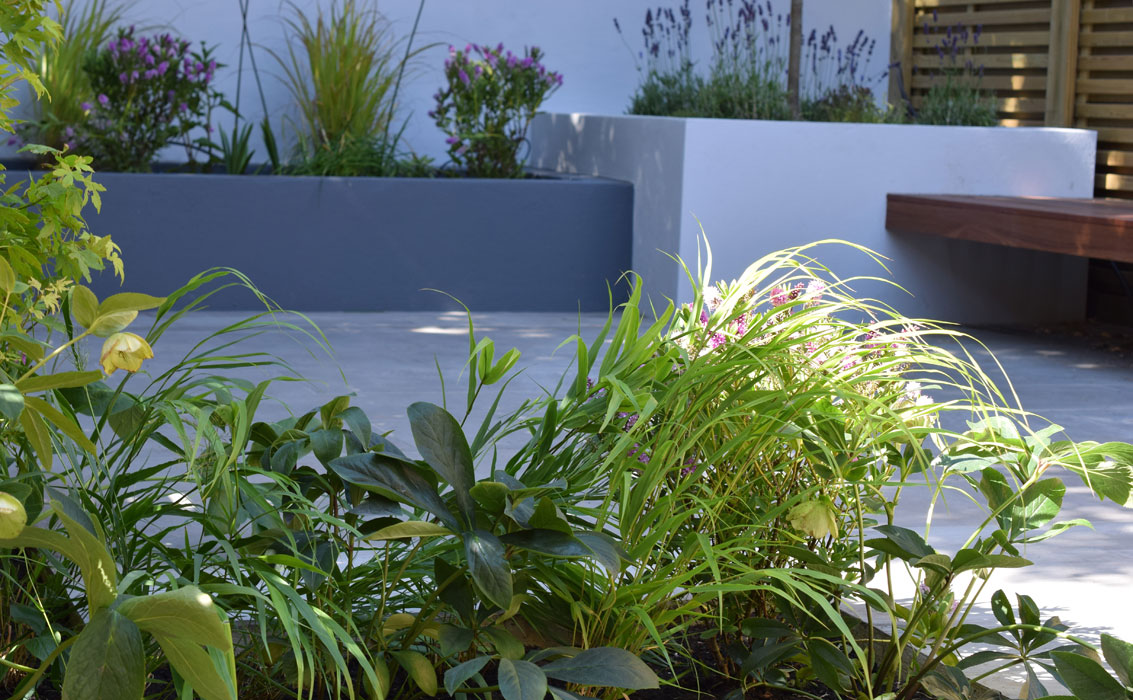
489, 569
549, 542
504, 642
603, 666
106, 661
547, 516
906, 544
764, 628
392, 479
1119, 655
1041, 503
457, 675
521, 680
491, 495
1001, 608
606, 551
358, 423
454, 640
11, 402
441, 442
1086, 678
971, 559
326, 444
457, 591
829, 662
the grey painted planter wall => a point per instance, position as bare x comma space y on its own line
373, 244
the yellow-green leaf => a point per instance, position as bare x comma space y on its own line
65, 424
409, 528
84, 305
59, 380
129, 301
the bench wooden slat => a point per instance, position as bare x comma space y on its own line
1095, 228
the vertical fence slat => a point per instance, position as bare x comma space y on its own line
1062, 68
901, 52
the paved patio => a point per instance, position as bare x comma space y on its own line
390, 360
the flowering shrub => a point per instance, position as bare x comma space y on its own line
151, 92
490, 99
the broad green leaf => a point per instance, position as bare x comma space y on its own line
505, 642
521, 680
441, 441
419, 669
764, 628
1041, 502
37, 434
550, 542
107, 324
409, 528
829, 662
606, 551
129, 301
489, 569
497, 372
603, 666
547, 516
491, 495
971, 559
394, 479
106, 661
457, 675
198, 668
84, 305
1086, 678
186, 612
454, 640
7, 277
11, 402
100, 573
65, 424
1119, 655
1001, 608
326, 444
906, 544
59, 380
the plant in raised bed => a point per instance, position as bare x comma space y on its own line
489, 100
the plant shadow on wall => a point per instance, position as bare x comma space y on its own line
747, 74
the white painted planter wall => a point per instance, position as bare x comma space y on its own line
760, 186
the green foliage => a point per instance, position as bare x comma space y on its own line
85, 30
151, 92
955, 99
341, 69
848, 103
487, 104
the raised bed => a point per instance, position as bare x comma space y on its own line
373, 244
759, 186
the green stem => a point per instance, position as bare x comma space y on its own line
52, 356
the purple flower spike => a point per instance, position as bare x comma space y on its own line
86, 106
103, 100
464, 77
452, 140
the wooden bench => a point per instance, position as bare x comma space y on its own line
1094, 228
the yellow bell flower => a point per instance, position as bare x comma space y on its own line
124, 351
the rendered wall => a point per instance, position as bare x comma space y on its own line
759, 186
578, 37
373, 244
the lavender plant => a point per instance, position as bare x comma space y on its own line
152, 92
955, 97
747, 72
669, 85
490, 98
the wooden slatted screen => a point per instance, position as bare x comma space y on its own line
1049, 62
1103, 90
1010, 39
